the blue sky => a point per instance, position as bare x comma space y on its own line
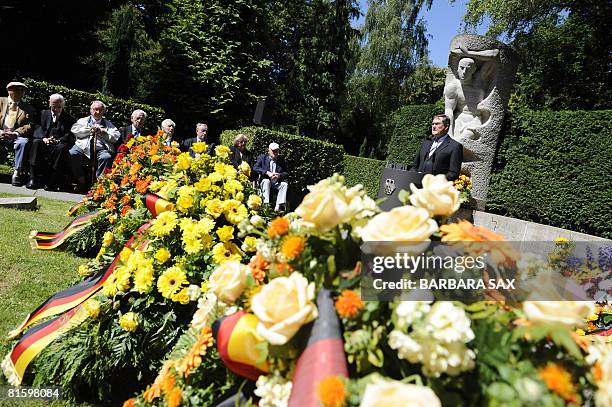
443, 23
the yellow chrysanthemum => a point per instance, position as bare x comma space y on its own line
183, 162
199, 147
226, 171
162, 255
164, 223
203, 185
222, 151
143, 278
101, 253
223, 252
84, 270
92, 306
184, 203
214, 207
250, 243
235, 211
206, 225
125, 254
192, 244
254, 202
214, 177
169, 185
233, 186
117, 281
108, 238
123, 278
129, 321
245, 168
225, 233
293, 246
171, 281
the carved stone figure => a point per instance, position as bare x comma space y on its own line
476, 94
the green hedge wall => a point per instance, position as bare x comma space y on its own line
308, 160
555, 168
406, 129
365, 171
78, 102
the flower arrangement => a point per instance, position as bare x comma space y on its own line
305, 274
463, 184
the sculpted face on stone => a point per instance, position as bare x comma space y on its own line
466, 69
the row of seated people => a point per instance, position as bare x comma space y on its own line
53, 149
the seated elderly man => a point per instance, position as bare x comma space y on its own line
201, 137
168, 127
52, 140
97, 132
16, 126
272, 174
138, 120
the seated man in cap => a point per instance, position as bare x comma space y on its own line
16, 126
272, 175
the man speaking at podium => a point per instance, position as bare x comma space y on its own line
440, 154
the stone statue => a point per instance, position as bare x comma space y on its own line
476, 94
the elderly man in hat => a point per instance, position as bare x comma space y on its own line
16, 127
273, 175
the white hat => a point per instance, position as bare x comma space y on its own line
16, 84
273, 146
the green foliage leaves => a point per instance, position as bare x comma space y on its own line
554, 168
406, 129
365, 171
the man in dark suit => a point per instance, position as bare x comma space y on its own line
272, 174
136, 129
439, 154
201, 137
16, 126
50, 145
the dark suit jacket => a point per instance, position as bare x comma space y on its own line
124, 132
186, 145
446, 159
61, 131
26, 117
263, 165
236, 159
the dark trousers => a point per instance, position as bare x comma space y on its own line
50, 159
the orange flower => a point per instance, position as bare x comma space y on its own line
597, 372
125, 200
168, 381
142, 185
486, 241
174, 398
193, 358
293, 246
125, 210
124, 180
332, 392
278, 227
349, 304
559, 381
152, 392
129, 402
282, 268
135, 168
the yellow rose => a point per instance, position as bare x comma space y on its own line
199, 147
397, 394
566, 313
250, 244
283, 306
438, 195
228, 281
225, 233
183, 162
325, 206
129, 321
245, 168
403, 224
215, 207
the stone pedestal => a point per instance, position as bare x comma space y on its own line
28, 202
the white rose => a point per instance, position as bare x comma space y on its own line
283, 306
325, 207
438, 195
228, 281
397, 394
567, 313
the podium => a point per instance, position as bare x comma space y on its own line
395, 178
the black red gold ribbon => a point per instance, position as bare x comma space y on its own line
53, 240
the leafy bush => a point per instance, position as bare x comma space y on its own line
365, 171
308, 160
118, 111
406, 129
554, 168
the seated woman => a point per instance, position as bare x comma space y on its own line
239, 152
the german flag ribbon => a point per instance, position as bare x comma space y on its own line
237, 343
52, 240
67, 301
156, 205
322, 357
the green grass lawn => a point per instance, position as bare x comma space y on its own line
28, 277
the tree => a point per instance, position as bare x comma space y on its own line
564, 48
119, 37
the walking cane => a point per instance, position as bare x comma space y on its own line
94, 155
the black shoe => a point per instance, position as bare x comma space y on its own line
32, 184
51, 187
16, 179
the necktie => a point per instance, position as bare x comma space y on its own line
54, 118
11, 117
434, 146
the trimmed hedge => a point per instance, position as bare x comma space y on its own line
406, 129
555, 168
118, 111
308, 160
365, 171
